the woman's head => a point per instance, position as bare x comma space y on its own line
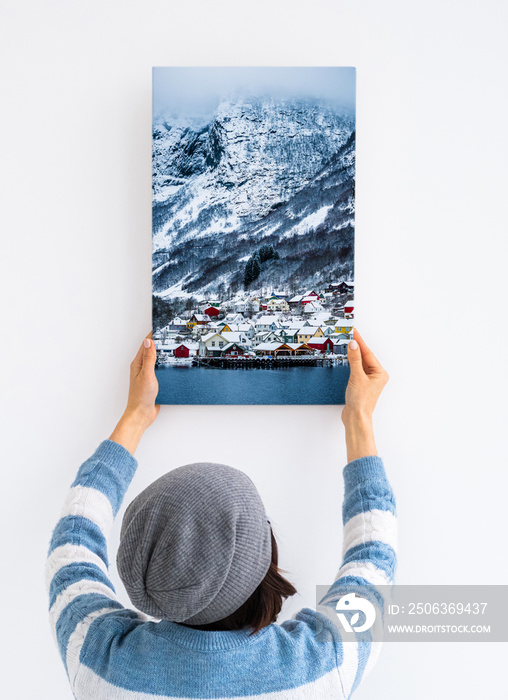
264, 605
196, 546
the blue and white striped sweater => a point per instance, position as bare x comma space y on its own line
118, 653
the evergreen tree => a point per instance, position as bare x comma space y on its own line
256, 267
248, 278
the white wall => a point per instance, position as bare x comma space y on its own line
75, 125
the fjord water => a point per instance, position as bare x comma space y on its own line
281, 385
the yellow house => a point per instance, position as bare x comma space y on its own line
343, 325
225, 328
191, 323
307, 332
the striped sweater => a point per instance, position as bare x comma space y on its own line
110, 651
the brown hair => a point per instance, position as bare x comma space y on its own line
263, 606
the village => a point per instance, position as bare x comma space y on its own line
314, 326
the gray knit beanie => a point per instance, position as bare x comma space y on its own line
195, 544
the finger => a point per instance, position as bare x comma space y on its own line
149, 354
354, 355
137, 362
369, 360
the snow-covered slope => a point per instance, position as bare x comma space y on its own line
263, 171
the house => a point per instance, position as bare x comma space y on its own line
234, 337
233, 350
234, 318
212, 311
340, 347
289, 335
276, 304
186, 350
340, 287
349, 308
266, 323
223, 326
254, 305
294, 301
211, 344
177, 324
324, 345
301, 349
247, 328
274, 349
344, 326
312, 307
307, 332
166, 350
270, 337
198, 320
308, 297
241, 305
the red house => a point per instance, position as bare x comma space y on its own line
182, 351
349, 307
308, 297
212, 311
321, 344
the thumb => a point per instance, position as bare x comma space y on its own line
354, 355
149, 354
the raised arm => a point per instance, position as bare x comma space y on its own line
77, 566
369, 518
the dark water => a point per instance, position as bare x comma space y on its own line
283, 385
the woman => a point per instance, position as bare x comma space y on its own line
199, 561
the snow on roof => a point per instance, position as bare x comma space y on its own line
295, 346
312, 306
231, 345
344, 322
200, 317
351, 302
298, 297
309, 330
270, 346
318, 341
233, 337
240, 327
266, 320
207, 336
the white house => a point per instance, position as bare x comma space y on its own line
266, 323
212, 344
233, 318
312, 307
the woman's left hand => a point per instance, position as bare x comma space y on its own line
141, 408
144, 386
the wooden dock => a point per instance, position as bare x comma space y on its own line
281, 361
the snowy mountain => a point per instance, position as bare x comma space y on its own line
261, 172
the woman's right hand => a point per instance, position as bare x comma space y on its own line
366, 382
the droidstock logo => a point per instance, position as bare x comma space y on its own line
349, 603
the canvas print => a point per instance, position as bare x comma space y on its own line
253, 220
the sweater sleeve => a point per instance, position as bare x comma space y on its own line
76, 570
369, 562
